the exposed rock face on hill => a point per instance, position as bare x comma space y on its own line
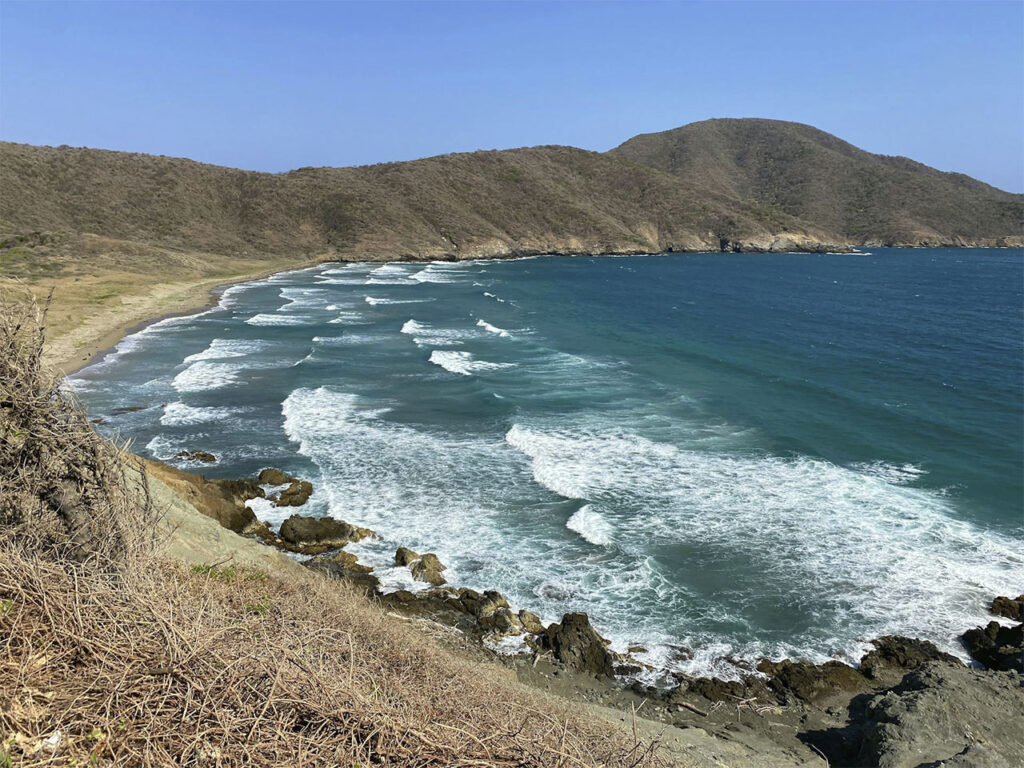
721, 184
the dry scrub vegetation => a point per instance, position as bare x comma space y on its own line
111, 656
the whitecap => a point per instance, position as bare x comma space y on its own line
373, 301
463, 362
588, 523
270, 319
493, 328
179, 413
203, 375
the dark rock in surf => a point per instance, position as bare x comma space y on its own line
315, 535
1009, 608
405, 556
531, 622
576, 644
996, 646
428, 569
203, 456
271, 476
295, 495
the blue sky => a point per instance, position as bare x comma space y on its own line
274, 86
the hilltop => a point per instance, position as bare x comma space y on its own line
124, 237
855, 196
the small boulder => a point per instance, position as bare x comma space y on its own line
489, 602
531, 622
295, 495
405, 556
360, 577
241, 490
203, 456
1010, 608
502, 621
996, 646
314, 535
271, 476
579, 647
428, 569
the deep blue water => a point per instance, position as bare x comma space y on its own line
740, 454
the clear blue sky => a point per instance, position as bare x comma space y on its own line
274, 86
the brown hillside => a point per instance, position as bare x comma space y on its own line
807, 173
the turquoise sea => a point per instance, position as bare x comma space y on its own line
738, 455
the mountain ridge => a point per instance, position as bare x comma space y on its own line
122, 237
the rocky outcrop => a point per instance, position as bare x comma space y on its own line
223, 500
576, 644
295, 494
803, 681
316, 535
996, 646
946, 715
202, 456
346, 567
271, 476
1010, 608
897, 655
428, 569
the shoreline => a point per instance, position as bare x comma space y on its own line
207, 299
71, 362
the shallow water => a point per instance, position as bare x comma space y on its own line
745, 455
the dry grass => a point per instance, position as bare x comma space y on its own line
110, 656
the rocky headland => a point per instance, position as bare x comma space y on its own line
906, 703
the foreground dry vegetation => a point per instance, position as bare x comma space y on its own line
111, 655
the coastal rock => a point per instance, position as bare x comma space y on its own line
428, 569
485, 604
531, 622
942, 715
358, 576
405, 556
295, 495
315, 535
502, 621
804, 681
1010, 608
203, 456
241, 490
576, 644
900, 654
996, 646
271, 476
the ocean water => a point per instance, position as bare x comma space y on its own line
719, 457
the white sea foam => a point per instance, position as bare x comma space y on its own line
179, 413
373, 301
492, 296
350, 318
439, 272
220, 349
493, 328
271, 319
204, 374
463, 362
893, 556
427, 335
589, 524
896, 474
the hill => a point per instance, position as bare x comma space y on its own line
123, 237
855, 196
